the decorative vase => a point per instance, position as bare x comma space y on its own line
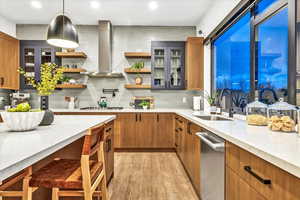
49, 115
138, 80
213, 109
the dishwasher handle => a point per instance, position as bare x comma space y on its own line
215, 146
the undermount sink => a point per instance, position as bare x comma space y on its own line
213, 118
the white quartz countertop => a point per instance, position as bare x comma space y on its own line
19, 150
125, 110
280, 149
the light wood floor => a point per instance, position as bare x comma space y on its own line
150, 176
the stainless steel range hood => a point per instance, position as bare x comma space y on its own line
105, 52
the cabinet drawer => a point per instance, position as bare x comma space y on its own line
179, 122
267, 179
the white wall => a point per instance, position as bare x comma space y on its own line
209, 21
7, 26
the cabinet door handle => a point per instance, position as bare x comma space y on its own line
179, 120
107, 146
108, 130
260, 179
189, 128
140, 117
136, 117
1, 81
157, 117
176, 130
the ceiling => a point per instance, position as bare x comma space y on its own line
120, 12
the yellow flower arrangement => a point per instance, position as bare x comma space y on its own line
50, 75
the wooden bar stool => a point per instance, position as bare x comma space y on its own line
26, 192
77, 178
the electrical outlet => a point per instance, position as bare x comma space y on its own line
184, 100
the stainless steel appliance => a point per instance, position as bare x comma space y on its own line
212, 175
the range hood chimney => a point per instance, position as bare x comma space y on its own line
105, 52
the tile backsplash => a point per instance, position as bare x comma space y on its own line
125, 38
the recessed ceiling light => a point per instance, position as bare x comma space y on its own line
94, 4
153, 5
36, 4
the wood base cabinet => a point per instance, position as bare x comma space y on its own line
188, 149
109, 150
145, 130
255, 178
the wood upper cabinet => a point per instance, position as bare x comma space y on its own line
194, 63
163, 136
9, 62
255, 172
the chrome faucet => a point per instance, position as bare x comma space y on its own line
223, 93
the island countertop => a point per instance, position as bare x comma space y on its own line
19, 150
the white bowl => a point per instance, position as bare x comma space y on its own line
22, 121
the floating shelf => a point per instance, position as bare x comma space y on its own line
136, 71
133, 86
73, 70
71, 86
137, 55
71, 54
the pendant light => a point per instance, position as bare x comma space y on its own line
62, 33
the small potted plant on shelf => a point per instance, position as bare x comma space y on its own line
212, 100
51, 74
138, 66
145, 104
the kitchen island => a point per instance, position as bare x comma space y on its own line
19, 150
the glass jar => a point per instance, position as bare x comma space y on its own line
257, 113
282, 116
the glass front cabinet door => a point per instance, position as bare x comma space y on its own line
33, 54
168, 60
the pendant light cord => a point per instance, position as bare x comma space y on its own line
63, 26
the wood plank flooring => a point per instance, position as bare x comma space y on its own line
150, 176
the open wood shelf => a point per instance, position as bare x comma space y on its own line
71, 54
137, 55
136, 71
133, 86
71, 86
73, 70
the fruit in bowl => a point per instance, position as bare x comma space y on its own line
22, 118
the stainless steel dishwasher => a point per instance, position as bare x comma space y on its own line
212, 176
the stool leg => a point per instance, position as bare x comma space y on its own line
27, 191
55, 193
104, 189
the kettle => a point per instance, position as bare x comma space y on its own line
102, 102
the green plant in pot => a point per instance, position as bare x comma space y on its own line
51, 74
145, 104
212, 100
138, 66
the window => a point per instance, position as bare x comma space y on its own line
272, 52
232, 57
263, 5
252, 54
